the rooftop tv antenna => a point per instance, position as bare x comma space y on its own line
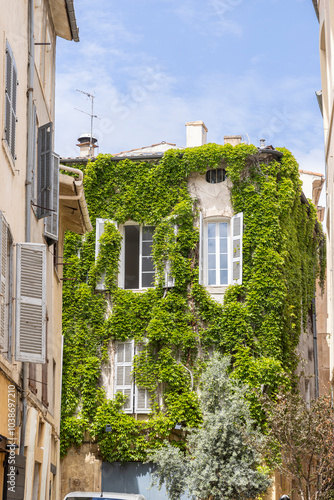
92, 116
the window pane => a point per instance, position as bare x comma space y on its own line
211, 230
148, 233
211, 262
211, 245
223, 277
223, 245
147, 264
223, 261
147, 248
212, 277
131, 261
223, 229
147, 280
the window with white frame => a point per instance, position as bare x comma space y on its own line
138, 398
137, 261
221, 251
6, 259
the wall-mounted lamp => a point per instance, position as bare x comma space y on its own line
108, 428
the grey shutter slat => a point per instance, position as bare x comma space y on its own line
237, 233
44, 171
123, 368
51, 223
200, 250
98, 233
3, 283
30, 302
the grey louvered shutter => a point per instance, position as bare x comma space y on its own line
98, 233
200, 250
13, 109
51, 223
30, 302
237, 233
44, 171
123, 377
4, 280
34, 142
11, 98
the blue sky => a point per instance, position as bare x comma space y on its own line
248, 67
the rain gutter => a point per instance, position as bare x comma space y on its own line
72, 20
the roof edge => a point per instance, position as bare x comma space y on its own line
72, 20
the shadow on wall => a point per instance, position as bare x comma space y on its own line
131, 477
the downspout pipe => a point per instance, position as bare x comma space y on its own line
315, 348
30, 156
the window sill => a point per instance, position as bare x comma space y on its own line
8, 155
216, 288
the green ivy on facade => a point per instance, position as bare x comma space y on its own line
258, 325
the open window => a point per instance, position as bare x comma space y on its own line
137, 266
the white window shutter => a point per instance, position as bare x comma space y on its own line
142, 400
169, 279
3, 284
99, 231
123, 369
200, 249
30, 302
237, 233
44, 171
51, 223
142, 395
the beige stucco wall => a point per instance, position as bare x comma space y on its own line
43, 424
81, 470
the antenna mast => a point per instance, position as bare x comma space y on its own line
92, 116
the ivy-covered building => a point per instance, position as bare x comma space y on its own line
211, 247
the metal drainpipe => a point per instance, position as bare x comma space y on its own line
315, 348
30, 155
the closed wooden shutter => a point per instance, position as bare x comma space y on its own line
4, 280
123, 369
98, 233
31, 302
44, 172
237, 233
51, 223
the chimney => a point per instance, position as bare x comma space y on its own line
232, 139
195, 134
87, 145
